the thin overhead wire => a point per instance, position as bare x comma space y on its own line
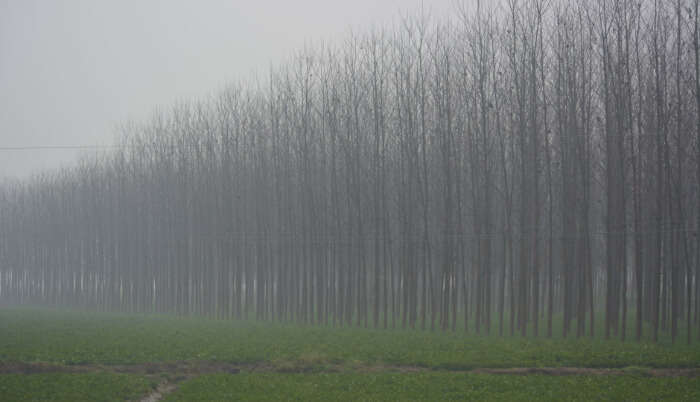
52, 147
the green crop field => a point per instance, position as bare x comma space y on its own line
433, 386
76, 355
72, 387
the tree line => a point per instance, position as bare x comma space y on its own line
516, 162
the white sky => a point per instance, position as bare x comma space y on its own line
71, 70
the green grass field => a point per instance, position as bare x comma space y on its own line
306, 363
432, 386
72, 387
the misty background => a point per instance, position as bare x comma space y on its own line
71, 71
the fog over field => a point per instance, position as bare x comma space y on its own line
71, 71
477, 200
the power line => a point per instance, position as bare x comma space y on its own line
42, 147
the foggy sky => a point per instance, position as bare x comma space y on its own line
71, 71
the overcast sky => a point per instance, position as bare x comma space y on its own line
71, 71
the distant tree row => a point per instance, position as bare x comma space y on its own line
521, 161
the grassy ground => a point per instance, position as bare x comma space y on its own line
72, 387
75, 339
430, 386
81, 337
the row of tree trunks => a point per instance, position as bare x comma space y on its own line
530, 162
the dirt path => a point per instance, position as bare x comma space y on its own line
185, 369
170, 374
560, 371
163, 389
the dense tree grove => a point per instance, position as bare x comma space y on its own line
517, 162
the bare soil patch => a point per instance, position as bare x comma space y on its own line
163, 389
